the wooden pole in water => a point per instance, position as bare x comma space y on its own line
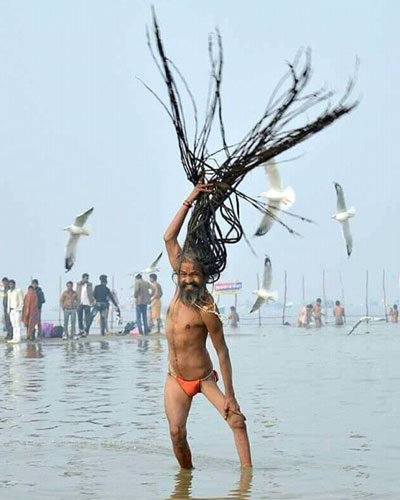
324, 296
259, 310
59, 295
384, 295
284, 300
112, 308
303, 291
235, 301
366, 296
341, 284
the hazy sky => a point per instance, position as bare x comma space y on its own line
79, 130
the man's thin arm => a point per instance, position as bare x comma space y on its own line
215, 329
171, 234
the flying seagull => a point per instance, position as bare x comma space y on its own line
152, 269
76, 230
277, 197
363, 320
343, 215
264, 294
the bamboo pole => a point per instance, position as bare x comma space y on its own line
112, 308
59, 304
384, 295
324, 297
341, 284
284, 300
235, 301
366, 296
303, 290
259, 310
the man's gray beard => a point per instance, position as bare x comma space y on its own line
193, 296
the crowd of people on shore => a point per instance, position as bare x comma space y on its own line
80, 302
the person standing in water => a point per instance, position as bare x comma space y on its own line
233, 317
317, 313
190, 319
338, 314
394, 314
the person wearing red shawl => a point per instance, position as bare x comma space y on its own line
30, 315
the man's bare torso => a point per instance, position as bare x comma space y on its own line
187, 335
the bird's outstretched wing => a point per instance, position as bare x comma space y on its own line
340, 202
81, 219
348, 238
267, 277
273, 175
155, 263
70, 252
268, 220
258, 303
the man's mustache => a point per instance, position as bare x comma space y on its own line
194, 285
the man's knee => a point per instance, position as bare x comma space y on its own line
178, 434
236, 422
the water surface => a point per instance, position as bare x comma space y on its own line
85, 419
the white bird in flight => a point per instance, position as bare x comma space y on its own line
277, 197
363, 320
76, 230
152, 269
264, 294
342, 216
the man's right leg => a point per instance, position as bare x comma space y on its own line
177, 406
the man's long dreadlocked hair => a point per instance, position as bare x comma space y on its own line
269, 137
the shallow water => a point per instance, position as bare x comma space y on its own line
85, 419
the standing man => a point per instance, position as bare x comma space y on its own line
7, 321
102, 295
192, 316
156, 301
394, 314
233, 317
84, 291
41, 301
317, 313
143, 298
30, 314
69, 304
338, 314
15, 304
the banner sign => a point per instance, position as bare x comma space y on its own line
233, 287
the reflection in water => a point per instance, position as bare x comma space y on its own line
33, 351
183, 486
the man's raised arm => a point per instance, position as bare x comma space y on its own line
171, 234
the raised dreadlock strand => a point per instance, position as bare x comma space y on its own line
215, 218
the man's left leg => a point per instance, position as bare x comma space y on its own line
236, 421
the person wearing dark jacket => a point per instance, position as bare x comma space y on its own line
103, 296
41, 301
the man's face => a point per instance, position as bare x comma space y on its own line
34, 284
85, 279
5, 283
190, 276
12, 285
69, 286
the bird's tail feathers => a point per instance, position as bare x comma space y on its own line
273, 296
289, 197
351, 212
